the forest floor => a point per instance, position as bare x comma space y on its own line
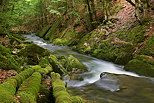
5, 74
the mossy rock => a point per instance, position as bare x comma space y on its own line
33, 53
23, 75
141, 65
77, 99
57, 66
148, 48
29, 89
7, 61
59, 91
134, 34
44, 62
74, 65
60, 42
7, 91
5, 97
118, 52
43, 32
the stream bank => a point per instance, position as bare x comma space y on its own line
118, 86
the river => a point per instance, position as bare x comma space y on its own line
119, 87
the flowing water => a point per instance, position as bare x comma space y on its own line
119, 87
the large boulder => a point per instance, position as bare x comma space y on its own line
141, 64
118, 52
33, 53
73, 65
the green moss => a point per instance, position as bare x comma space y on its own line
44, 62
29, 88
60, 91
118, 52
60, 42
43, 32
148, 48
76, 99
7, 61
140, 66
33, 53
135, 34
7, 91
57, 66
5, 97
22, 76
73, 65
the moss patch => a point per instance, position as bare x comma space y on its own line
29, 89
60, 92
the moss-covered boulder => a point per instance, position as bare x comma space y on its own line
44, 62
118, 52
33, 53
27, 93
23, 75
135, 34
60, 92
142, 64
73, 65
7, 61
57, 66
7, 91
8, 88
